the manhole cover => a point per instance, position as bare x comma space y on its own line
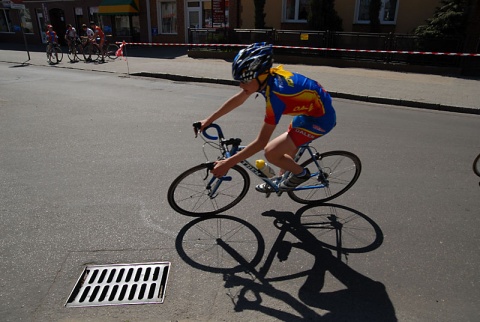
120, 284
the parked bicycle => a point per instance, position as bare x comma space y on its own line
196, 192
54, 53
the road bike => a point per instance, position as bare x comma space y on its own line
54, 53
196, 192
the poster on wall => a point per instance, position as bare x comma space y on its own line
218, 8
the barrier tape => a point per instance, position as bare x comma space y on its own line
315, 49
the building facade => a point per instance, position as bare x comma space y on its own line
129, 20
399, 16
170, 20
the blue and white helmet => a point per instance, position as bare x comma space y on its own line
252, 61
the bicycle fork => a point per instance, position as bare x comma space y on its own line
214, 183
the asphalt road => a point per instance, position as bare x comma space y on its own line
86, 159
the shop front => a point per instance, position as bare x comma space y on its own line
120, 18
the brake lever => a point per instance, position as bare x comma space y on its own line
196, 128
210, 166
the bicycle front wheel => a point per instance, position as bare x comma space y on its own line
53, 55
72, 53
196, 192
79, 52
91, 53
336, 172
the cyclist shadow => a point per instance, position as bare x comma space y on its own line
363, 299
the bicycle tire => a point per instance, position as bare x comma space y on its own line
111, 51
189, 194
476, 165
59, 51
72, 54
341, 169
91, 53
79, 53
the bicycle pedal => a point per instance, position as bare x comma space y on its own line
267, 194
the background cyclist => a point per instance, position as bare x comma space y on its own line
52, 39
99, 34
285, 93
89, 35
71, 35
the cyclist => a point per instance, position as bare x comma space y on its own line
71, 35
52, 39
285, 93
99, 34
89, 35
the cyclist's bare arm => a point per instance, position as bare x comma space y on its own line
231, 104
222, 166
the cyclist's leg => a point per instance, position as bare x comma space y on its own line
280, 152
302, 130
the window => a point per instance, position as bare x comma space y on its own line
167, 16
5, 22
26, 19
122, 25
295, 10
387, 15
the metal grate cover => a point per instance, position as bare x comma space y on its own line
120, 284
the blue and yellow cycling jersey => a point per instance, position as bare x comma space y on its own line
293, 94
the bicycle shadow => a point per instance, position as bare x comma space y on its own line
363, 299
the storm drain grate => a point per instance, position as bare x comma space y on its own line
120, 284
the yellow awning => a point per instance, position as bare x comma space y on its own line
118, 7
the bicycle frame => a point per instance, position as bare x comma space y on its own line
215, 183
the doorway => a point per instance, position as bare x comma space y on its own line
57, 20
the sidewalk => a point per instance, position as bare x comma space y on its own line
426, 91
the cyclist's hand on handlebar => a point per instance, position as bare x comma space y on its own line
221, 168
199, 127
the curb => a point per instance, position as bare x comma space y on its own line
353, 97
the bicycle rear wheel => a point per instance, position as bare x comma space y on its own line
111, 51
196, 192
339, 171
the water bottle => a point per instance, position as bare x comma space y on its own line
265, 168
